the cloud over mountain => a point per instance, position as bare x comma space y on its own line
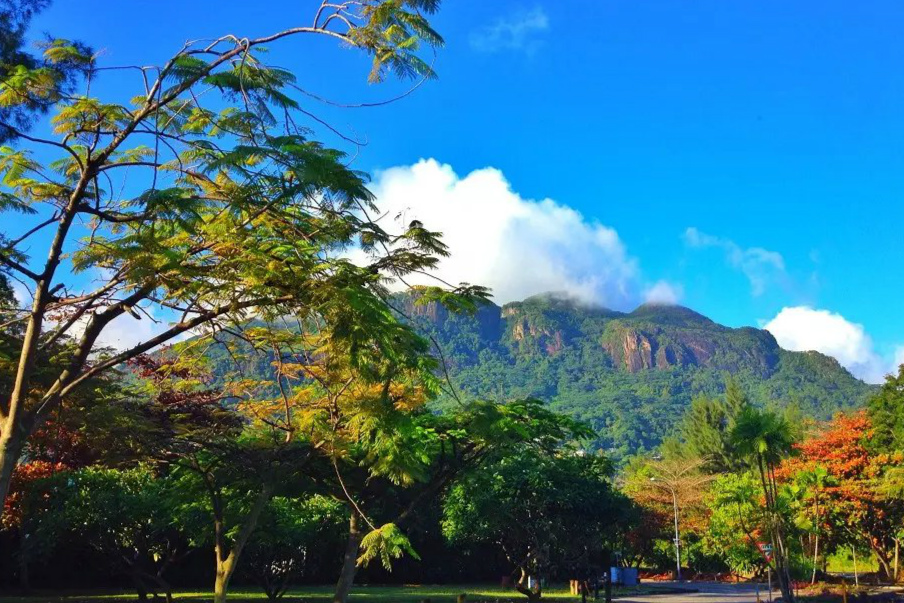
760, 266
517, 246
802, 328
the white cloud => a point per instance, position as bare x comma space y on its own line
516, 246
125, 331
517, 32
899, 358
759, 265
122, 333
23, 296
802, 328
663, 292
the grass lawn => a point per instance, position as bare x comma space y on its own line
843, 562
319, 594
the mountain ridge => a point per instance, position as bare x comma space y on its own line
630, 374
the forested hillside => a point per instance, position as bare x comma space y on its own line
630, 375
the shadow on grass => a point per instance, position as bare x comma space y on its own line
324, 594
374, 594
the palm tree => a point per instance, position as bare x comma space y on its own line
762, 439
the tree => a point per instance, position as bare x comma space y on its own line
445, 449
228, 465
808, 492
675, 486
358, 421
131, 517
737, 522
762, 439
241, 213
547, 510
886, 409
844, 479
56, 78
707, 424
293, 535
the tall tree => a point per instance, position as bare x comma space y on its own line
58, 78
230, 462
886, 409
675, 487
855, 509
363, 423
230, 212
131, 517
548, 512
737, 521
762, 439
707, 424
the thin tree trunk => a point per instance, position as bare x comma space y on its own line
350, 561
816, 524
883, 556
815, 559
227, 561
897, 549
767, 478
167, 589
140, 589
12, 442
856, 573
524, 589
782, 570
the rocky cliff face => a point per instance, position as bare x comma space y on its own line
639, 347
486, 323
635, 351
650, 338
524, 330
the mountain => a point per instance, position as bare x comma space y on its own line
631, 375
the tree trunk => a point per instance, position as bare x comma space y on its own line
884, 557
783, 573
165, 587
141, 592
897, 550
221, 582
226, 561
815, 559
532, 595
12, 442
350, 561
856, 573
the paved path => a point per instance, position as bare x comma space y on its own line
709, 592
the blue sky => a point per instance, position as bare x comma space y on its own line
744, 158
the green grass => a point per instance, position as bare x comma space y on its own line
843, 562
321, 594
